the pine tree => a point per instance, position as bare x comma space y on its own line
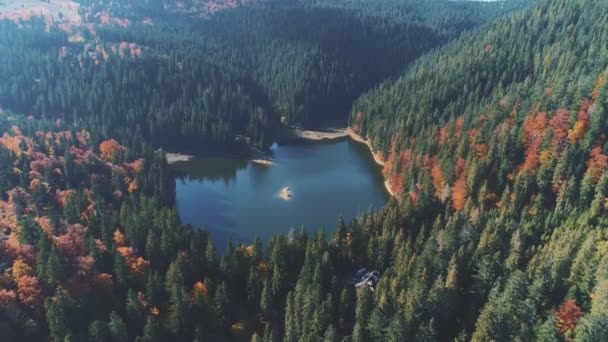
268, 334
30, 231
256, 338
221, 306
98, 331
266, 301
57, 311
154, 289
359, 333
121, 272
330, 334
254, 287
44, 249
55, 268
211, 257
152, 248
151, 330
291, 333
364, 307
117, 328
135, 313
397, 329
178, 311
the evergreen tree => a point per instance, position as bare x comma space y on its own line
55, 267
117, 328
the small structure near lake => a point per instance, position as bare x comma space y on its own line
365, 278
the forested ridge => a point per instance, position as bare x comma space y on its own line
495, 144
181, 80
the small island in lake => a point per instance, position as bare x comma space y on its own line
285, 194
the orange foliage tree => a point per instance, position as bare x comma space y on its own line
21, 269
535, 128
460, 192
138, 265
532, 157
119, 238
438, 179
108, 149
133, 186
29, 291
458, 127
201, 288
443, 136
582, 123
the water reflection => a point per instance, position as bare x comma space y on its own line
240, 199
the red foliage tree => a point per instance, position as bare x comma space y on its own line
560, 123
596, 163
7, 297
481, 150
71, 243
534, 128
458, 126
567, 316
532, 157
396, 183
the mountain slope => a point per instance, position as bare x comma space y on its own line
497, 144
182, 81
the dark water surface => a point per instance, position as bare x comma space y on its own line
236, 199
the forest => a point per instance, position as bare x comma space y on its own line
490, 118
187, 83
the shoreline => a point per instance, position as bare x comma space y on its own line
330, 133
357, 138
173, 158
260, 158
339, 133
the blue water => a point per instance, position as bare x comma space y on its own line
235, 199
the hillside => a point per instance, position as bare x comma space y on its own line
494, 140
181, 78
497, 144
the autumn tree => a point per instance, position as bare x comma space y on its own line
567, 317
109, 149
459, 193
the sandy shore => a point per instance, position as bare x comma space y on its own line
327, 134
356, 137
173, 158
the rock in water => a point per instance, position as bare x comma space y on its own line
285, 194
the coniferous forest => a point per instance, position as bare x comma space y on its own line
490, 118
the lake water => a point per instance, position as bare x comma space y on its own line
236, 199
